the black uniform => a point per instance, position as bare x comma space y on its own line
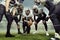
42, 17
10, 19
54, 12
20, 11
26, 27
35, 13
2, 11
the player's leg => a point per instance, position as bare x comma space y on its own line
37, 21
56, 25
36, 24
19, 17
8, 30
46, 28
9, 20
28, 29
24, 27
2, 11
18, 26
59, 22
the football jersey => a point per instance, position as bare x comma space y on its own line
27, 16
39, 7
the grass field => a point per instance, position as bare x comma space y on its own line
39, 36
27, 37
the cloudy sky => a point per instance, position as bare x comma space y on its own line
29, 3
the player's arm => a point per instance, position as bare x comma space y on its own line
24, 19
7, 4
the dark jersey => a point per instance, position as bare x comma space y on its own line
42, 15
50, 6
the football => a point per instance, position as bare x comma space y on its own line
30, 22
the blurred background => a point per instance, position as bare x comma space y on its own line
27, 4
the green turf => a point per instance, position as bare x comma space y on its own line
41, 36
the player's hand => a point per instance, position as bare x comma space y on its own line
30, 22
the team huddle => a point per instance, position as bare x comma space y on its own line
14, 11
